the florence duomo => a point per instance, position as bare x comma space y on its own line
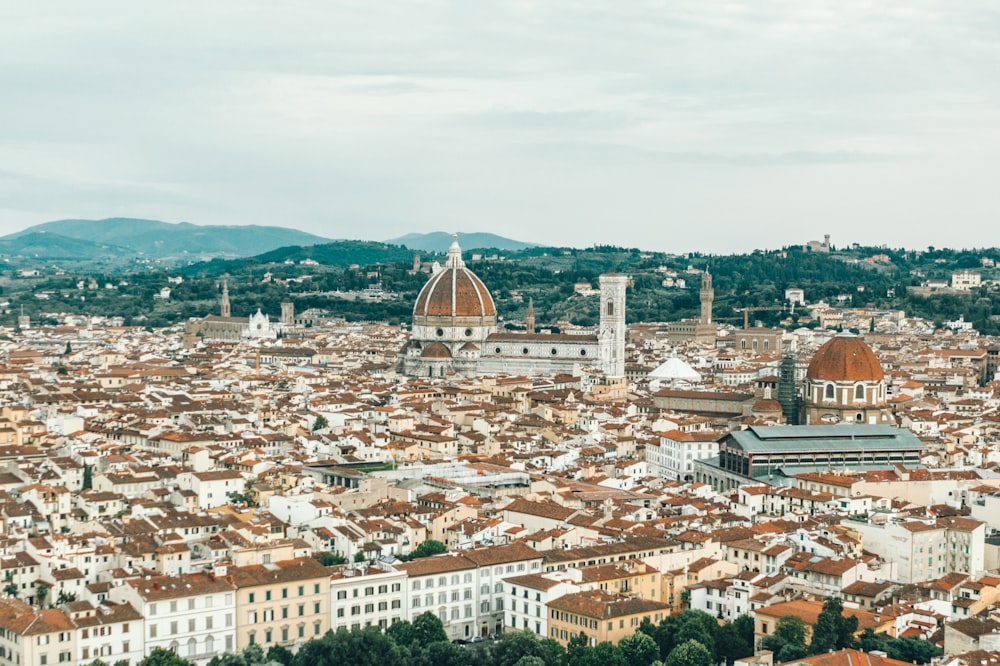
455, 330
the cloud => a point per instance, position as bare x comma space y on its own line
660, 124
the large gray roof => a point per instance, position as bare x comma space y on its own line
842, 437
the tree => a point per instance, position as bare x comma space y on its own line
698, 626
689, 653
832, 631
788, 642
41, 593
639, 649
320, 423
359, 556
11, 590
730, 645
516, 645
330, 559
426, 549
163, 657
869, 640
428, 628
88, 477
912, 650
402, 632
607, 654
65, 598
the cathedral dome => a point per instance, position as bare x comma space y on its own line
845, 359
435, 350
454, 291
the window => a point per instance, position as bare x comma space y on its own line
267, 595
302, 590
284, 593
859, 392
828, 392
251, 597
316, 588
341, 594
316, 608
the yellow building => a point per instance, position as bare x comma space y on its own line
601, 616
285, 603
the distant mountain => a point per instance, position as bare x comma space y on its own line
161, 240
44, 245
342, 253
440, 241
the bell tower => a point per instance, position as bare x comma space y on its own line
707, 296
611, 334
224, 305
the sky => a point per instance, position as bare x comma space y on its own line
675, 126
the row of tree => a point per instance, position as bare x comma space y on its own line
691, 638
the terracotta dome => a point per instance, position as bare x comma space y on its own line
845, 359
454, 291
435, 350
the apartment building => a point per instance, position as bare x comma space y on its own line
284, 603
601, 616
193, 615
367, 596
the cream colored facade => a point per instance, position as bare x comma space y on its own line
286, 603
602, 617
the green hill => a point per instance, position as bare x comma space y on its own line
45, 245
160, 240
440, 241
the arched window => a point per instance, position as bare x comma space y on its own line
743, 344
859, 392
828, 392
192, 647
611, 308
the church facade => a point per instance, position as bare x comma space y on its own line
455, 330
226, 328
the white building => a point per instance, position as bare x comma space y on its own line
367, 596
966, 280
673, 456
925, 549
192, 615
528, 597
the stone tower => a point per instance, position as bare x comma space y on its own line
611, 335
529, 319
288, 313
707, 296
224, 310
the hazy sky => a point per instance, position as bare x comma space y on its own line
675, 126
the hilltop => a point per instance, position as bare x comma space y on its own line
151, 238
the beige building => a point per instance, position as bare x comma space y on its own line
285, 603
601, 616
